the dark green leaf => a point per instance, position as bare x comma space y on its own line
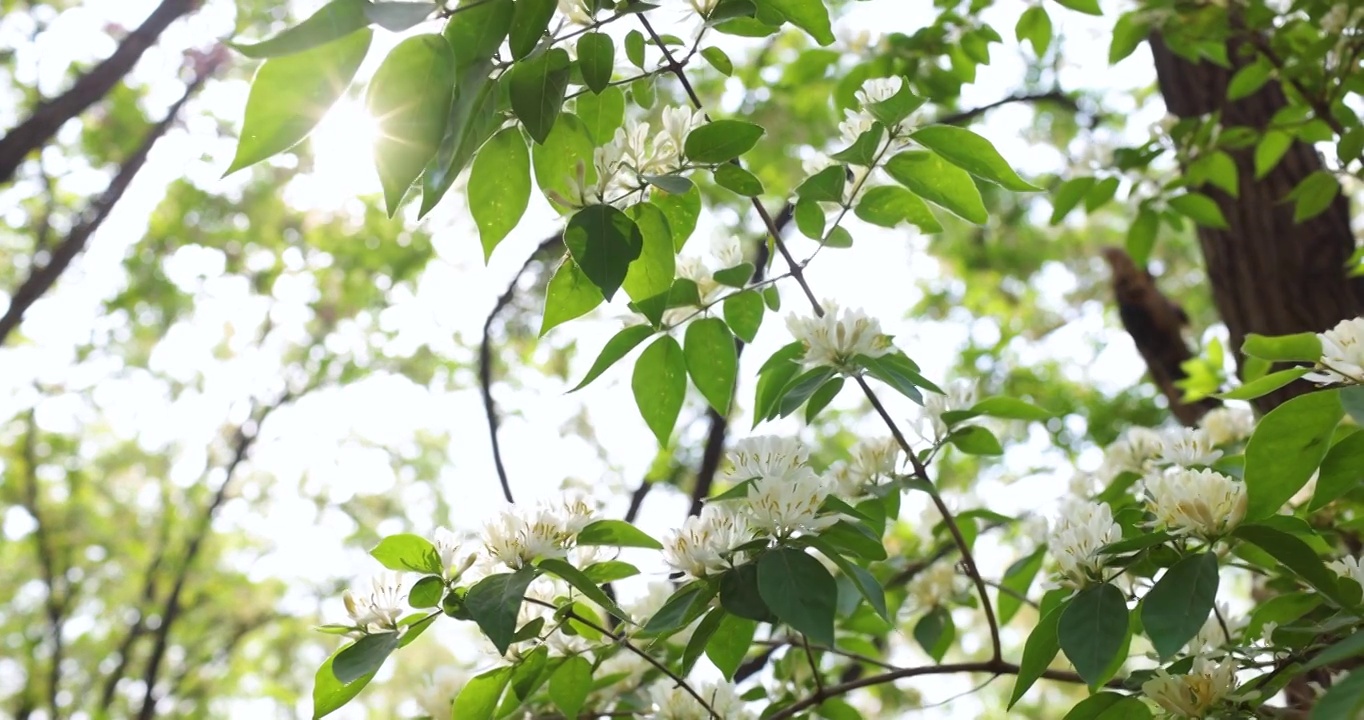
891, 111
939, 182
674, 184
971, 153
1296, 555
1141, 236
1069, 194
597, 59
634, 48
721, 141
687, 604
477, 28
334, 20
407, 552
800, 389
615, 349
822, 397
799, 591
473, 119
499, 187
730, 643
935, 632
494, 603
739, 594
1018, 579
734, 178
825, 185
1176, 608
696, 644
529, 22
616, 533
289, 95
1093, 629
1341, 471
863, 150
364, 656
537, 86
889, 205
1286, 448
1038, 652
976, 440
603, 242
575, 577
1109, 706
660, 385
1344, 699
399, 16
426, 593
810, 218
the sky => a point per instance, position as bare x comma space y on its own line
331, 442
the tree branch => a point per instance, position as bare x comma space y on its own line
49, 116
41, 279
58, 598
485, 361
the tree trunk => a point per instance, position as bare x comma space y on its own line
1269, 274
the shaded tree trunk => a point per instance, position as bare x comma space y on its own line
1269, 275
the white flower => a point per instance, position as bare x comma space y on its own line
672, 702
1080, 530
1131, 452
1211, 637
578, 12
1349, 567
853, 125
878, 90
382, 607
439, 690
765, 456
816, 163
1227, 425
835, 338
517, 538
847, 482
779, 505
1035, 528
959, 395
1082, 484
701, 547
1267, 632
1342, 354
934, 585
448, 545
1205, 503
678, 122
1188, 447
726, 250
1195, 694
704, 7
875, 459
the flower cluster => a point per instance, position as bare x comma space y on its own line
634, 151
871, 461
1195, 694
838, 336
855, 123
1342, 354
1203, 503
1226, 426
702, 545
934, 585
516, 538
1349, 567
671, 702
1075, 539
380, 609
959, 395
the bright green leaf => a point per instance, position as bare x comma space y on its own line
1201, 209
617, 533
808, 15
718, 60
410, 97
477, 28
408, 553
734, 178
570, 685
1038, 652
364, 656
329, 693
494, 603
1034, 25
730, 643
570, 295
660, 385
712, 361
744, 314
334, 20
596, 58
972, 153
477, 700
721, 141
1286, 448
939, 182
499, 187
1341, 471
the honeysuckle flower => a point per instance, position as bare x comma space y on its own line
847, 482
578, 12
704, 7
452, 557
934, 585
1193, 695
1082, 484
1342, 354
1131, 452
436, 694
1349, 567
780, 505
1080, 530
517, 538
878, 90
701, 546
1226, 425
1212, 637
672, 702
678, 122
764, 456
816, 163
958, 395
381, 608
853, 125
1204, 503
874, 459
1188, 447
834, 339
726, 250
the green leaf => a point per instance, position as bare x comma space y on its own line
583, 584
685, 605
1141, 235
1249, 79
494, 602
615, 349
537, 86
821, 398
855, 537
935, 632
399, 16
696, 644
1038, 652
1010, 409
426, 592
1314, 195
739, 592
603, 242
1069, 194
477, 700
863, 150
473, 119
1092, 630
410, 97
289, 95
1265, 385
718, 60
1089, 7
682, 211
1287, 446
1341, 471
744, 314
364, 656
529, 22
617, 533
801, 388
569, 295
651, 273
1338, 652
610, 571
939, 182
407, 552
570, 685
559, 160
499, 187
889, 205
867, 585
1299, 347
1344, 699
1018, 579
1295, 555
660, 385
976, 440
1200, 208
809, 217
712, 361
734, 178
808, 15
601, 114
1270, 150
730, 643
838, 237
1353, 400
634, 48
1175, 609
477, 28
894, 109
825, 185
329, 693
799, 591
721, 141
896, 371
1101, 193
1128, 32
971, 153
333, 21
1109, 706
1034, 25
596, 59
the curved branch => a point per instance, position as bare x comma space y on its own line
48, 117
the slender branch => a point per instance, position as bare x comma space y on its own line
55, 604
778, 644
90, 88
485, 362
41, 279
966, 116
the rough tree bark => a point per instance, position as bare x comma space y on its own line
1269, 275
